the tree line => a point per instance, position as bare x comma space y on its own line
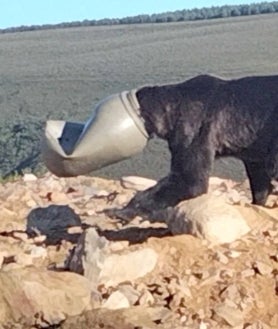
175, 16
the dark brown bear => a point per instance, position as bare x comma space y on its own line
201, 119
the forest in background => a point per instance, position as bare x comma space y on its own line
166, 17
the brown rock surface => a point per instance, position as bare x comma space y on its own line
192, 283
37, 297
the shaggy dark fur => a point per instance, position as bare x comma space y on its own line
204, 118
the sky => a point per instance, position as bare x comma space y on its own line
37, 12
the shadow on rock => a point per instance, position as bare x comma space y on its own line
58, 223
53, 222
135, 234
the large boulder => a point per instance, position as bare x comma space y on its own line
208, 216
38, 297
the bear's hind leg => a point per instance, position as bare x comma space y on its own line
260, 182
272, 161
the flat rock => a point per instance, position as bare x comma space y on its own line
127, 266
137, 183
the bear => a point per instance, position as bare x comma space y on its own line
201, 119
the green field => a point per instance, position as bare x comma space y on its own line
63, 73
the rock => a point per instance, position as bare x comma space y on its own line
259, 219
38, 252
222, 183
31, 203
137, 183
40, 239
272, 201
247, 273
203, 325
232, 316
53, 222
21, 236
127, 266
221, 257
216, 181
146, 298
10, 220
233, 197
23, 260
272, 212
274, 321
29, 178
25, 293
232, 293
258, 325
118, 245
101, 265
263, 268
186, 276
75, 230
209, 217
116, 301
233, 253
125, 318
58, 198
130, 293
88, 255
3, 254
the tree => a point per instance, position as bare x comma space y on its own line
176, 16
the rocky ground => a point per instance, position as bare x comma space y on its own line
211, 262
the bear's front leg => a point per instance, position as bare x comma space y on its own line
190, 169
145, 202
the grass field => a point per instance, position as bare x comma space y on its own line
63, 73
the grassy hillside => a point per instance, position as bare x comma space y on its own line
63, 73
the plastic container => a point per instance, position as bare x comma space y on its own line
114, 132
